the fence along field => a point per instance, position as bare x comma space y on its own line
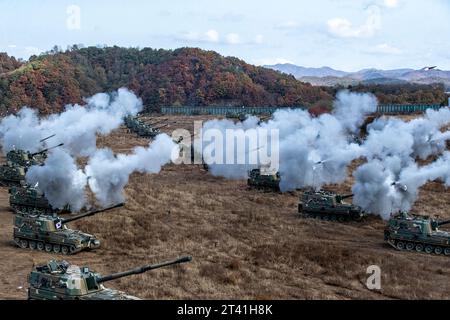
381, 109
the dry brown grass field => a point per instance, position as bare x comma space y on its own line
245, 244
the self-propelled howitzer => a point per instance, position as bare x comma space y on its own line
59, 280
27, 159
11, 174
409, 232
264, 180
28, 199
50, 233
328, 206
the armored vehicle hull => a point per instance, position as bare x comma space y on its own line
141, 128
257, 180
61, 242
11, 175
103, 294
27, 199
328, 206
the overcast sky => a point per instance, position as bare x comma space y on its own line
343, 34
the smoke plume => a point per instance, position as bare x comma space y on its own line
109, 174
60, 180
76, 127
389, 186
390, 180
312, 151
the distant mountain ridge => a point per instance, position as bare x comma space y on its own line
330, 77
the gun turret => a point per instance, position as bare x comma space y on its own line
142, 269
45, 150
45, 139
90, 213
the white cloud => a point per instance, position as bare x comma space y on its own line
12, 46
290, 24
212, 35
259, 39
191, 35
29, 51
233, 38
385, 48
271, 61
391, 3
344, 28
209, 36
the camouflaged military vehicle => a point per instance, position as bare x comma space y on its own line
28, 199
18, 162
141, 128
50, 233
328, 206
241, 116
146, 131
264, 179
11, 175
27, 159
59, 280
417, 233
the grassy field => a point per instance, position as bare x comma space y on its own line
246, 244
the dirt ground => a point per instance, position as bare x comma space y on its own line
245, 244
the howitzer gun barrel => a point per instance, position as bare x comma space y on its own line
347, 196
90, 213
442, 223
48, 149
47, 138
142, 269
152, 123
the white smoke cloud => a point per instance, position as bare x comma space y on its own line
76, 127
421, 137
60, 180
391, 179
312, 151
109, 174
21, 131
388, 186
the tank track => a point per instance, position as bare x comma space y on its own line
326, 216
419, 247
9, 184
47, 247
25, 209
262, 187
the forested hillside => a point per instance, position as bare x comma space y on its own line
408, 93
185, 76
